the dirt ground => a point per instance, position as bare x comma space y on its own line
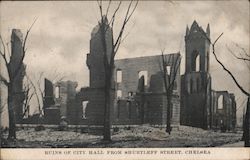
141, 136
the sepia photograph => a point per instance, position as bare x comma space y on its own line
125, 74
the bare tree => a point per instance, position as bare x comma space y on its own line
13, 70
108, 25
169, 80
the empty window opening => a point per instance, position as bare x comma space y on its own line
118, 76
130, 94
168, 68
57, 92
197, 63
119, 94
84, 106
220, 102
145, 75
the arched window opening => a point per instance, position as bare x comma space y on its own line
57, 92
145, 74
119, 76
84, 106
118, 94
220, 102
197, 63
168, 68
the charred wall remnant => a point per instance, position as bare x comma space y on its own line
59, 101
16, 58
223, 110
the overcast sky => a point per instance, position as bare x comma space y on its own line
59, 40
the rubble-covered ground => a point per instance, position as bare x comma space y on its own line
141, 136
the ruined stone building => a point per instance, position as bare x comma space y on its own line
199, 105
138, 90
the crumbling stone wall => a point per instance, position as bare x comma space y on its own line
223, 118
195, 99
95, 107
60, 103
65, 101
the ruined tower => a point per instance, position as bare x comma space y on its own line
17, 71
196, 82
94, 95
95, 59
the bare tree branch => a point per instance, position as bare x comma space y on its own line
3, 54
114, 14
241, 58
35, 92
19, 66
229, 72
107, 11
28, 97
4, 51
216, 58
2, 79
100, 7
244, 51
127, 34
126, 19
246, 61
8, 51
